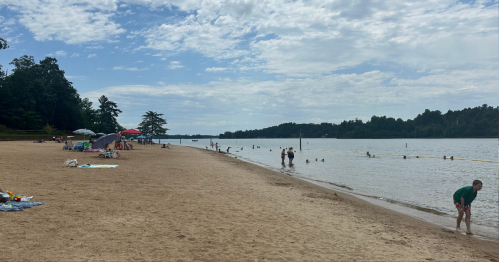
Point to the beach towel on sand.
(97, 166)
(11, 206)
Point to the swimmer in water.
(307, 161)
(322, 160)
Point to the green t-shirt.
(466, 193)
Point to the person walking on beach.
(283, 156)
(291, 155)
(462, 200)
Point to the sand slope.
(193, 204)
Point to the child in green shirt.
(462, 200)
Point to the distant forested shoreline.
(477, 122)
(197, 136)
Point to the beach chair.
(86, 146)
(105, 154)
(79, 146)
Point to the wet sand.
(193, 204)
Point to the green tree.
(88, 114)
(24, 62)
(35, 94)
(152, 124)
(3, 44)
(106, 116)
(49, 129)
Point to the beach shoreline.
(195, 204)
(432, 216)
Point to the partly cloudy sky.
(214, 66)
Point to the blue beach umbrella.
(103, 140)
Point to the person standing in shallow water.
(291, 155)
(462, 200)
(283, 156)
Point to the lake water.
(407, 186)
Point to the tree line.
(481, 121)
(38, 96)
(178, 136)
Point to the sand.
(194, 204)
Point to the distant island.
(478, 122)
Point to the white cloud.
(140, 61)
(14, 39)
(191, 34)
(467, 88)
(7, 30)
(8, 22)
(303, 39)
(129, 68)
(91, 55)
(76, 77)
(75, 55)
(49, 20)
(100, 68)
(215, 69)
(128, 12)
(58, 54)
(175, 65)
(161, 83)
(95, 47)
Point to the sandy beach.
(193, 204)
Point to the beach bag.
(5, 196)
(71, 163)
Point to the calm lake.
(421, 187)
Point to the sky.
(216, 65)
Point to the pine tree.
(152, 124)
